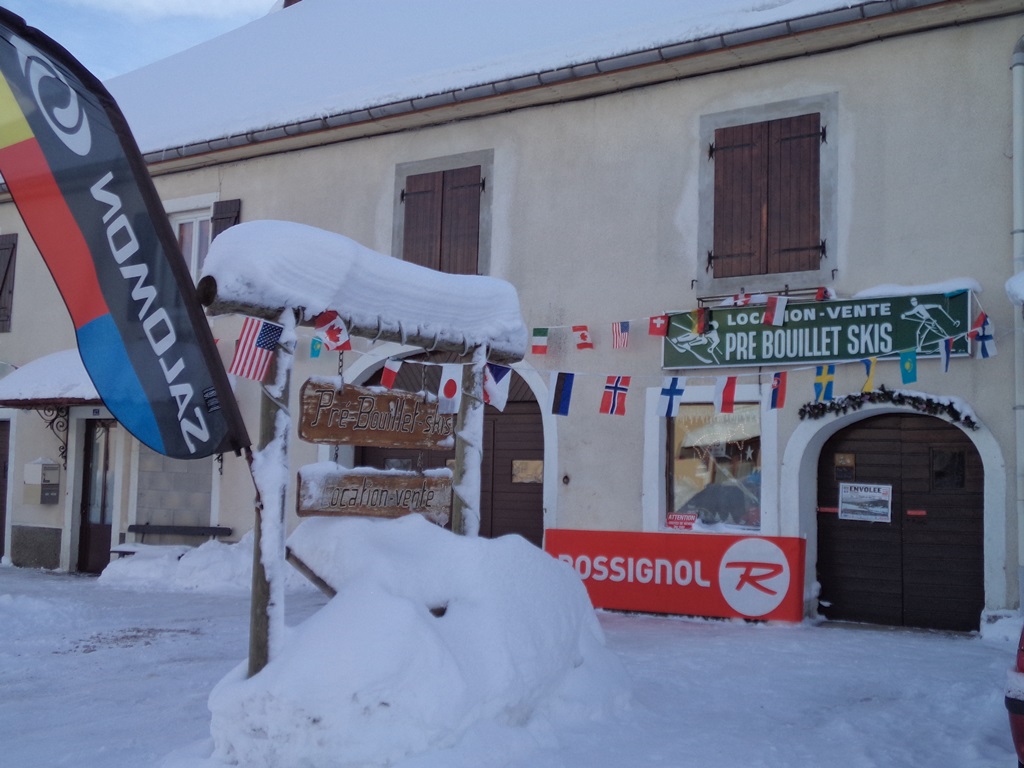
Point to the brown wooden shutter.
(225, 214)
(422, 198)
(741, 200)
(460, 222)
(8, 248)
(794, 232)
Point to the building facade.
(859, 159)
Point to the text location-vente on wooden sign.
(331, 490)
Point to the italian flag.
(540, 341)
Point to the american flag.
(620, 335)
(255, 348)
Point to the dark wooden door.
(512, 472)
(5, 451)
(97, 497)
(924, 567)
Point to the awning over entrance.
(50, 381)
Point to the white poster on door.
(862, 501)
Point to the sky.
(111, 37)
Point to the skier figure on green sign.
(926, 324)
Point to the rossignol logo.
(754, 577)
(57, 100)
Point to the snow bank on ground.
(212, 567)
(431, 638)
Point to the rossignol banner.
(748, 577)
(86, 197)
(819, 332)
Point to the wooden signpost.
(334, 413)
(331, 490)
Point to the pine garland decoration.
(854, 402)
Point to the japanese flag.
(449, 393)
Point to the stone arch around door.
(512, 477)
(799, 490)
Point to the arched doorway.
(512, 474)
(901, 524)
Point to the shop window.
(8, 247)
(442, 219)
(714, 473)
(768, 190)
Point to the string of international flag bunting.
(259, 339)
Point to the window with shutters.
(442, 218)
(8, 249)
(196, 221)
(767, 197)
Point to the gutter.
(1017, 72)
(832, 30)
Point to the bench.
(203, 531)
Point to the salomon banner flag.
(86, 197)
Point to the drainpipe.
(1017, 71)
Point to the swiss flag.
(658, 325)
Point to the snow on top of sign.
(58, 376)
(277, 264)
(947, 286)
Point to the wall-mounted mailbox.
(42, 482)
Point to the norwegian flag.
(613, 401)
(255, 348)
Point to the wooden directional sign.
(331, 490)
(352, 415)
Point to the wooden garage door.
(511, 482)
(925, 566)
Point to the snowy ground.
(97, 673)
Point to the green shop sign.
(820, 331)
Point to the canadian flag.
(776, 312)
(330, 328)
(583, 340)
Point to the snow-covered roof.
(55, 379)
(271, 265)
(323, 58)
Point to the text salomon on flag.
(86, 197)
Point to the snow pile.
(212, 567)
(1015, 289)
(953, 285)
(432, 639)
(59, 376)
(277, 264)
